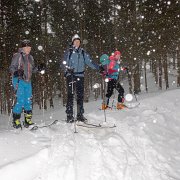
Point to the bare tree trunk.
(178, 67)
(174, 60)
(145, 77)
(154, 70)
(137, 82)
(165, 66)
(63, 89)
(130, 80)
(160, 73)
(86, 87)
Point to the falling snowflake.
(106, 80)
(142, 87)
(42, 72)
(154, 121)
(148, 53)
(40, 48)
(26, 32)
(128, 97)
(96, 86)
(148, 66)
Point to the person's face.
(27, 49)
(76, 43)
(117, 56)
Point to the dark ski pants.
(113, 84)
(75, 84)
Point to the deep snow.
(144, 145)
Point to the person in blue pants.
(21, 69)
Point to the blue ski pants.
(23, 92)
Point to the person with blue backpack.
(74, 62)
(112, 69)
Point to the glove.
(41, 67)
(19, 73)
(70, 71)
(124, 69)
(101, 69)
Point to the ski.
(134, 106)
(91, 125)
(43, 126)
(107, 126)
(125, 107)
(88, 125)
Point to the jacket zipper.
(78, 61)
(28, 67)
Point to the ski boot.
(27, 119)
(81, 118)
(16, 121)
(120, 106)
(70, 118)
(80, 111)
(105, 106)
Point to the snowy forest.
(146, 32)
(107, 134)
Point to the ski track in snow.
(144, 146)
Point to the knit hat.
(76, 36)
(25, 43)
(115, 54)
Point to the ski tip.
(34, 128)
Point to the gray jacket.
(24, 62)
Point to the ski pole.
(43, 105)
(10, 116)
(104, 87)
(135, 96)
(72, 91)
(113, 99)
(13, 102)
(72, 76)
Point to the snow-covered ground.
(145, 145)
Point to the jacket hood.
(20, 50)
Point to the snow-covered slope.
(145, 145)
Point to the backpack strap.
(70, 53)
(83, 54)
